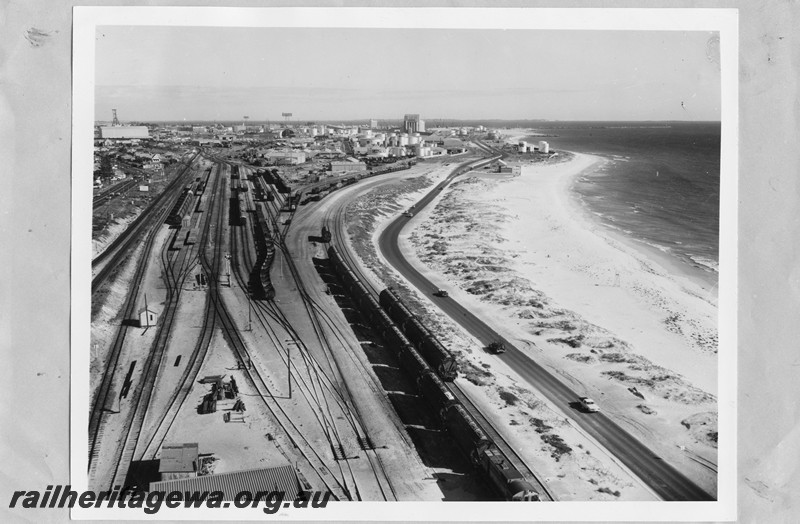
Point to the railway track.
(319, 387)
(103, 393)
(337, 215)
(142, 393)
(152, 443)
(111, 192)
(150, 218)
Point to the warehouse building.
(286, 157)
(118, 132)
(343, 167)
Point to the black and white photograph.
(406, 264)
(402, 263)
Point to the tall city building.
(373, 124)
(413, 124)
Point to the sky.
(153, 73)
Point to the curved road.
(662, 478)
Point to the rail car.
(438, 356)
(412, 362)
(486, 457)
(235, 216)
(504, 477)
(466, 432)
(181, 208)
(260, 280)
(325, 234)
(191, 237)
(436, 392)
(274, 178)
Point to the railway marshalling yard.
(238, 316)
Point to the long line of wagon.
(430, 364)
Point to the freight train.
(182, 206)
(188, 201)
(260, 281)
(482, 452)
(235, 215)
(274, 178)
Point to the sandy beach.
(613, 318)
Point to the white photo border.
(725, 21)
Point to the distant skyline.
(207, 73)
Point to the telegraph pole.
(289, 344)
(249, 313)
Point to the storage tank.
(544, 147)
(523, 146)
(413, 139)
(404, 139)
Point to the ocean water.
(660, 186)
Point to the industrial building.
(454, 146)
(118, 132)
(286, 157)
(343, 167)
(524, 147)
(413, 124)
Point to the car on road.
(496, 348)
(441, 293)
(588, 405)
(408, 214)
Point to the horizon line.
(427, 120)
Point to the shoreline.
(678, 265)
(537, 231)
(674, 265)
(608, 259)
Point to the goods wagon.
(428, 345)
(468, 435)
(504, 477)
(260, 281)
(411, 361)
(435, 392)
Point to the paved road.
(662, 478)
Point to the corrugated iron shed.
(281, 478)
